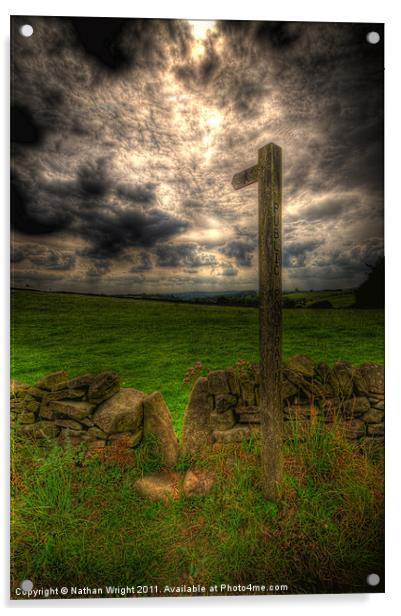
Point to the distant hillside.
(337, 298)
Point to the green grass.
(152, 344)
(78, 523)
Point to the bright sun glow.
(210, 230)
(210, 123)
(214, 230)
(200, 30)
(213, 234)
(214, 120)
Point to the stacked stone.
(94, 410)
(233, 399)
(224, 406)
(370, 380)
(87, 409)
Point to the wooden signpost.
(267, 173)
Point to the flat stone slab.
(168, 485)
(51, 381)
(68, 423)
(162, 486)
(198, 482)
(70, 409)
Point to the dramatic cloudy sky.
(126, 134)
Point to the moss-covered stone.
(104, 386)
(70, 408)
(218, 382)
(157, 422)
(51, 381)
(301, 364)
(121, 413)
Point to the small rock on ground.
(198, 482)
(162, 486)
(167, 485)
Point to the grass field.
(82, 524)
(79, 522)
(152, 344)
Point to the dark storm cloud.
(271, 34)
(126, 134)
(248, 42)
(92, 178)
(118, 45)
(242, 251)
(88, 209)
(330, 77)
(279, 34)
(91, 181)
(294, 255)
(43, 256)
(78, 57)
(139, 194)
(113, 46)
(101, 38)
(23, 128)
(183, 255)
(22, 217)
(354, 257)
(110, 231)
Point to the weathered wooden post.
(268, 175)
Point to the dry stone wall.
(94, 410)
(224, 405)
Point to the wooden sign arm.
(245, 178)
